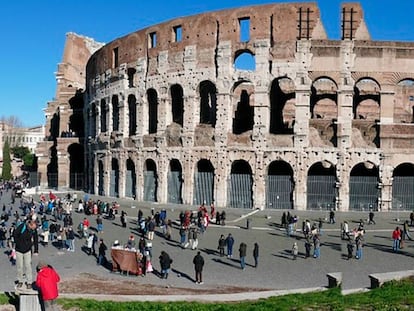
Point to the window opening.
(244, 24)
(178, 32)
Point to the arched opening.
(364, 187)
(282, 106)
(177, 104)
(114, 179)
(131, 73)
(244, 115)
(54, 126)
(279, 185)
(101, 178)
(103, 116)
(76, 122)
(150, 181)
(95, 114)
(130, 179)
(208, 103)
(404, 101)
(402, 187)
(115, 113)
(152, 99)
(241, 185)
(321, 186)
(132, 109)
(204, 183)
(175, 182)
(52, 168)
(245, 60)
(76, 166)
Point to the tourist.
(46, 281)
(221, 245)
(165, 263)
(358, 243)
(316, 246)
(242, 255)
(332, 216)
(396, 237)
(99, 224)
(371, 218)
(350, 248)
(295, 250)
(71, 239)
(256, 254)
(25, 238)
(101, 252)
(198, 262)
(123, 219)
(229, 243)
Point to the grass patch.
(392, 296)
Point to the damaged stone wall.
(308, 100)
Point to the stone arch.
(321, 186)
(150, 181)
(241, 185)
(115, 113)
(76, 166)
(52, 168)
(177, 104)
(243, 119)
(152, 99)
(204, 183)
(282, 106)
(130, 179)
(244, 60)
(208, 102)
(364, 187)
(366, 100)
(279, 185)
(402, 187)
(76, 121)
(114, 178)
(132, 112)
(175, 182)
(324, 99)
(54, 126)
(404, 101)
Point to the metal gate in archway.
(279, 192)
(114, 183)
(174, 187)
(150, 186)
(204, 188)
(76, 181)
(363, 193)
(321, 192)
(130, 182)
(240, 191)
(403, 193)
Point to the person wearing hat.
(47, 283)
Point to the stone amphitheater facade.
(253, 107)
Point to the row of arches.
(323, 105)
(322, 184)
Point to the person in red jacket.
(47, 282)
(396, 237)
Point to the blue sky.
(33, 36)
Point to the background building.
(174, 115)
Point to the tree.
(20, 151)
(6, 172)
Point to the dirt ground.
(91, 284)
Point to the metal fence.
(403, 193)
(279, 191)
(240, 191)
(363, 193)
(204, 188)
(150, 186)
(322, 192)
(174, 187)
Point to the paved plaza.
(276, 270)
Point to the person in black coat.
(165, 263)
(198, 262)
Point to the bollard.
(248, 223)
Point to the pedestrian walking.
(123, 219)
(350, 248)
(396, 237)
(358, 243)
(331, 216)
(165, 263)
(242, 255)
(406, 233)
(229, 243)
(256, 254)
(198, 262)
(295, 250)
(316, 246)
(221, 245)
(101, 253)
(371, 218)
(308, 247)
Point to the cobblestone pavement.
(276, 270)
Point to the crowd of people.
(50, 222)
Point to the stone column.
(300, 179)
(122, 169)
(221, 179)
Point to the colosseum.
(251, 107)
